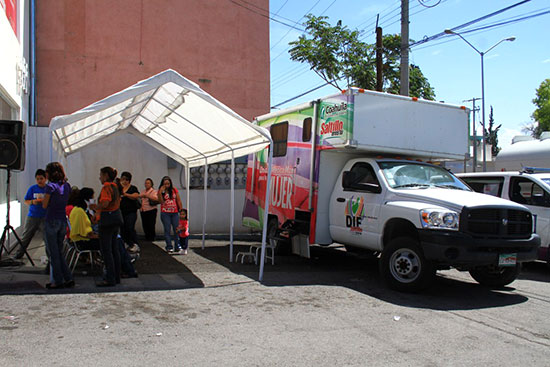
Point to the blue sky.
(513, 70)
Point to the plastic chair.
(75, 251)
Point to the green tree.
(335, 53)
(491, 134)
(542, 112)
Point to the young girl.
(183, 231)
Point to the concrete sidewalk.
(157, 271)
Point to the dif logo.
(355, 212)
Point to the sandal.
(53, 286)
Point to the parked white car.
(530, 188)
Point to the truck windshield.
(409, 175)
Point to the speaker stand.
(8, 228)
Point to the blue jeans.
(170, 221)
(184, 242)
(54, 233)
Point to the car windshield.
(546, 181)
(411, 175)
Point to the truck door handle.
(340, 200)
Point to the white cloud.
(546, 61)
(492, 56)
(436, 52)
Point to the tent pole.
(187, 181)
(205, 200)
(232, 213)
(266, 211)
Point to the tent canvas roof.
(175, 116)
(171, 113)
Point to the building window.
(279, 134)
(306, 129)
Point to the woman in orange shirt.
(110, 220)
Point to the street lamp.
(450, 31)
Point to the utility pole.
(379, 50)
(473, 100)
(404, 79)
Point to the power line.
(303, 94)
(282, 6)
(267, 10)
(474, 30)
(276, 43)
(421, 2)
(285, 76)
(266, 16)
(443, 34)
(487, 28)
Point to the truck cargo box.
(312, 141)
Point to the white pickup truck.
(530, 188)
(336, 179)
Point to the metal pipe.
(188, 194)
(266, 211)
(312, 153)
(205, 201)
(232, 213)
(32, 52)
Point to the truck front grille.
(496, 223)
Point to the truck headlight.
(438, 219)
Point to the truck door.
(527, 192)
(355, 207)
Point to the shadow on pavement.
(333, 266)
(157, 270)
(538, 271)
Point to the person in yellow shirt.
(81, 226)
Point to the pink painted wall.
(89, 49)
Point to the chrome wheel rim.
(405, 265)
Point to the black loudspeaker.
(12, 144)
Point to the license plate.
(507, 259)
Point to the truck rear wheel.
(494, 276)
(403, 266)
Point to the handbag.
(153, 202)
(110, 219)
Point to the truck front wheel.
(403, 266)
(494, 276)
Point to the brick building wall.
(89, 49)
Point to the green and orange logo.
(355, 212)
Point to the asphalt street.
(330, 310)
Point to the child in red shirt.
(183, 231)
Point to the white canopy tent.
(178, 118)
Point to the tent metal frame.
(65, 145)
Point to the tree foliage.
(491, 134)
(542, 112)
(335, 53)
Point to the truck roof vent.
(518, 138)
(545, 135)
